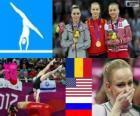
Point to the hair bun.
(75, 6)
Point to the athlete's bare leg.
(47, 75)
(42, 72)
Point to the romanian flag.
(79, 67)
(79, 87)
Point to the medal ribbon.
(77, 26)
(97, 30)
(115, 28)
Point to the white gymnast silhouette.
(27, 25)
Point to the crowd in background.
(27, 69)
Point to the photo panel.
(26, 29)
(115, 86)
(32, 87)
(81, 31)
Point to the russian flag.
(79, 109)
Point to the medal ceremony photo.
(96, 28)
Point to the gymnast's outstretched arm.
(42, 72)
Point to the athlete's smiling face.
(95, 10)
(113, 11)
(76, 14)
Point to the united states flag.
(78, 90)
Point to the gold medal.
(98, 44)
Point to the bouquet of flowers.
(60, 28)
(112, 35)
(112, 39)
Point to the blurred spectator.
(1, 70)
(24, 72)
(32, 73)
(136, 32)
(136, 99)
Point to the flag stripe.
(82, 82)
(69, 67)
(79, 112)
(84, 85)
(85, 92)
(79, 99)
(75, 106)
(78, 95)
(78, 89)
(84, 79)
(78, 68)
(87, 68)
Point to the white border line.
(26, 51)
(78, 99)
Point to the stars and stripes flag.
(77, 87)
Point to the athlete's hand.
(51, 63)
(73, 47)
(122, 102)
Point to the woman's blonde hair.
(113, 65)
